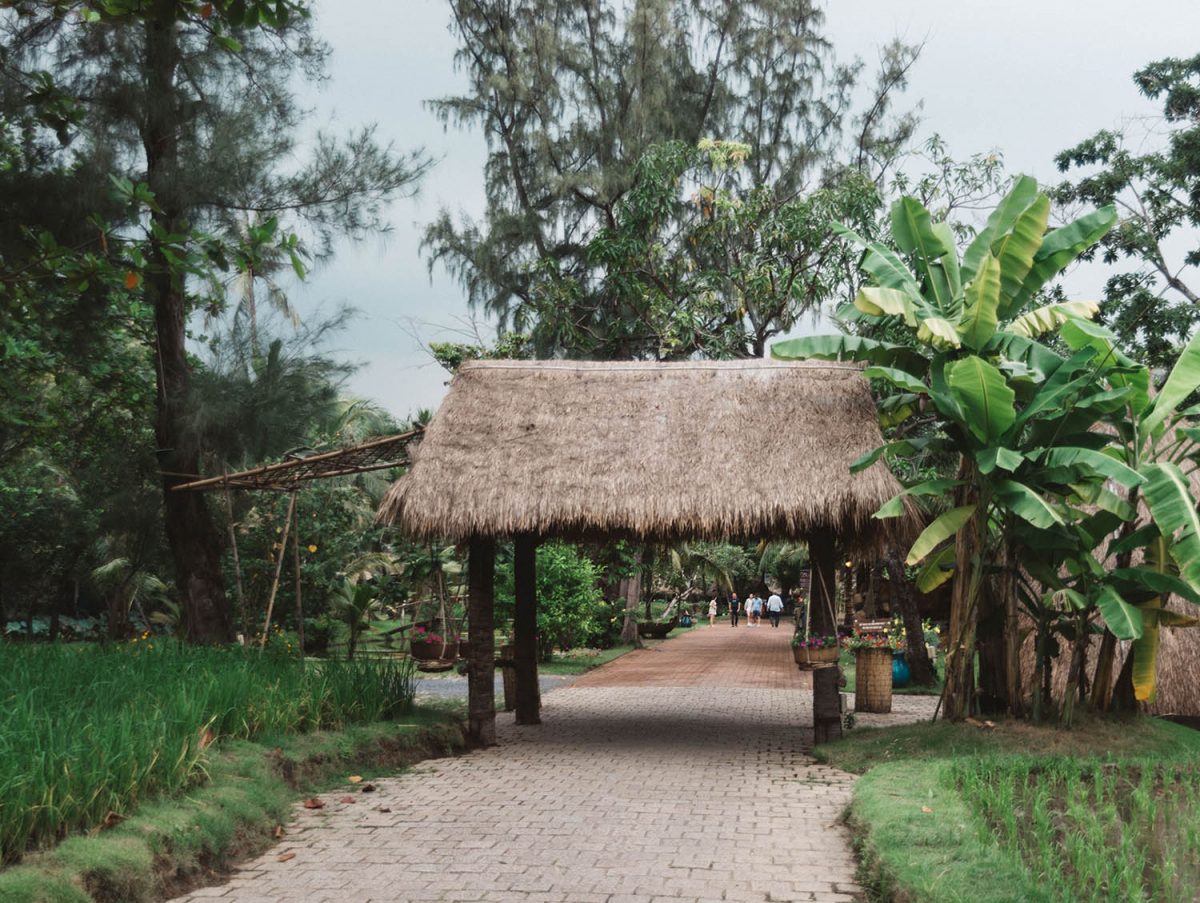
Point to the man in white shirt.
(774, 607)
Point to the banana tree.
(971, 358)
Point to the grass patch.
(951, 812)
(89, 732)
(174, 844)
(579, 661)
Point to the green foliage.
(571, 610)
(90, 730)
(586, 235)
(1153, 176)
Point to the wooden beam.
(481, 642)
(287, 526)
(525, 650)
(822, 554)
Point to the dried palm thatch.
(654, 451)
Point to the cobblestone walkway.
(694, 788)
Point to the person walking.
(756, 605)
(774, 607)
(735, 609)
(712, 612)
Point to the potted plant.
(425, 645)
(873, 671)
(815, 650)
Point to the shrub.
(571, 611)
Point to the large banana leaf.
(850, 348)
(1059, 386)
(877, 301)
(1029, 352)
(1157, 582)
(1145, 656)
(1173, 508)
(1123, 619)
(882, 263)
(998, 456)
(983, 396)
(950, 260)
(1101, 463)
(912, 228)
(945, 526)
(1183, 381)
(1120, 369)
(1016, 251)
(894, 507)
(901, 379)
(936, 571)
(1046, 319)
(1060, 247)
(1023, 193)
(1027, 504)
(939, 332)
(981, 305)
(899, 447)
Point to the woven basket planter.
(873, 680)
(424, 651)
(809, 657)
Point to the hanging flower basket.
(656, 630)
(826, 656)
(426, 646)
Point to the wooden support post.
(525, 650)
(296, 567)
(287, 526)
(481, 642)
(827, 704)
(243, 612)
(822, 553)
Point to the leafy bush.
(571, 611)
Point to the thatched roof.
(747, 449)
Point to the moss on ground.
(172, 845)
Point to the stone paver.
(694, 788)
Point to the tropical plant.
(973, 366)
(354, 604)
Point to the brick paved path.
(670, 775)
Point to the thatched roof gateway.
(657, 451)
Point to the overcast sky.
(1026, 78)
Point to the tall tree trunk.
(959, 692)
(993, 681)
(822, 553)
(630, 588)
(1012, 637)
(919, 665)
(194, 540)
(525, 649)
(481, 642)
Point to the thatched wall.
(681, 450)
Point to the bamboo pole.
(525, 628)
(237, 569)
(287, 524)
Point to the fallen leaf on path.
(285, 857)
(382, 809)
(367, 788)
(314, 803)
(355, 779)
(279, 832)
(349, 799)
